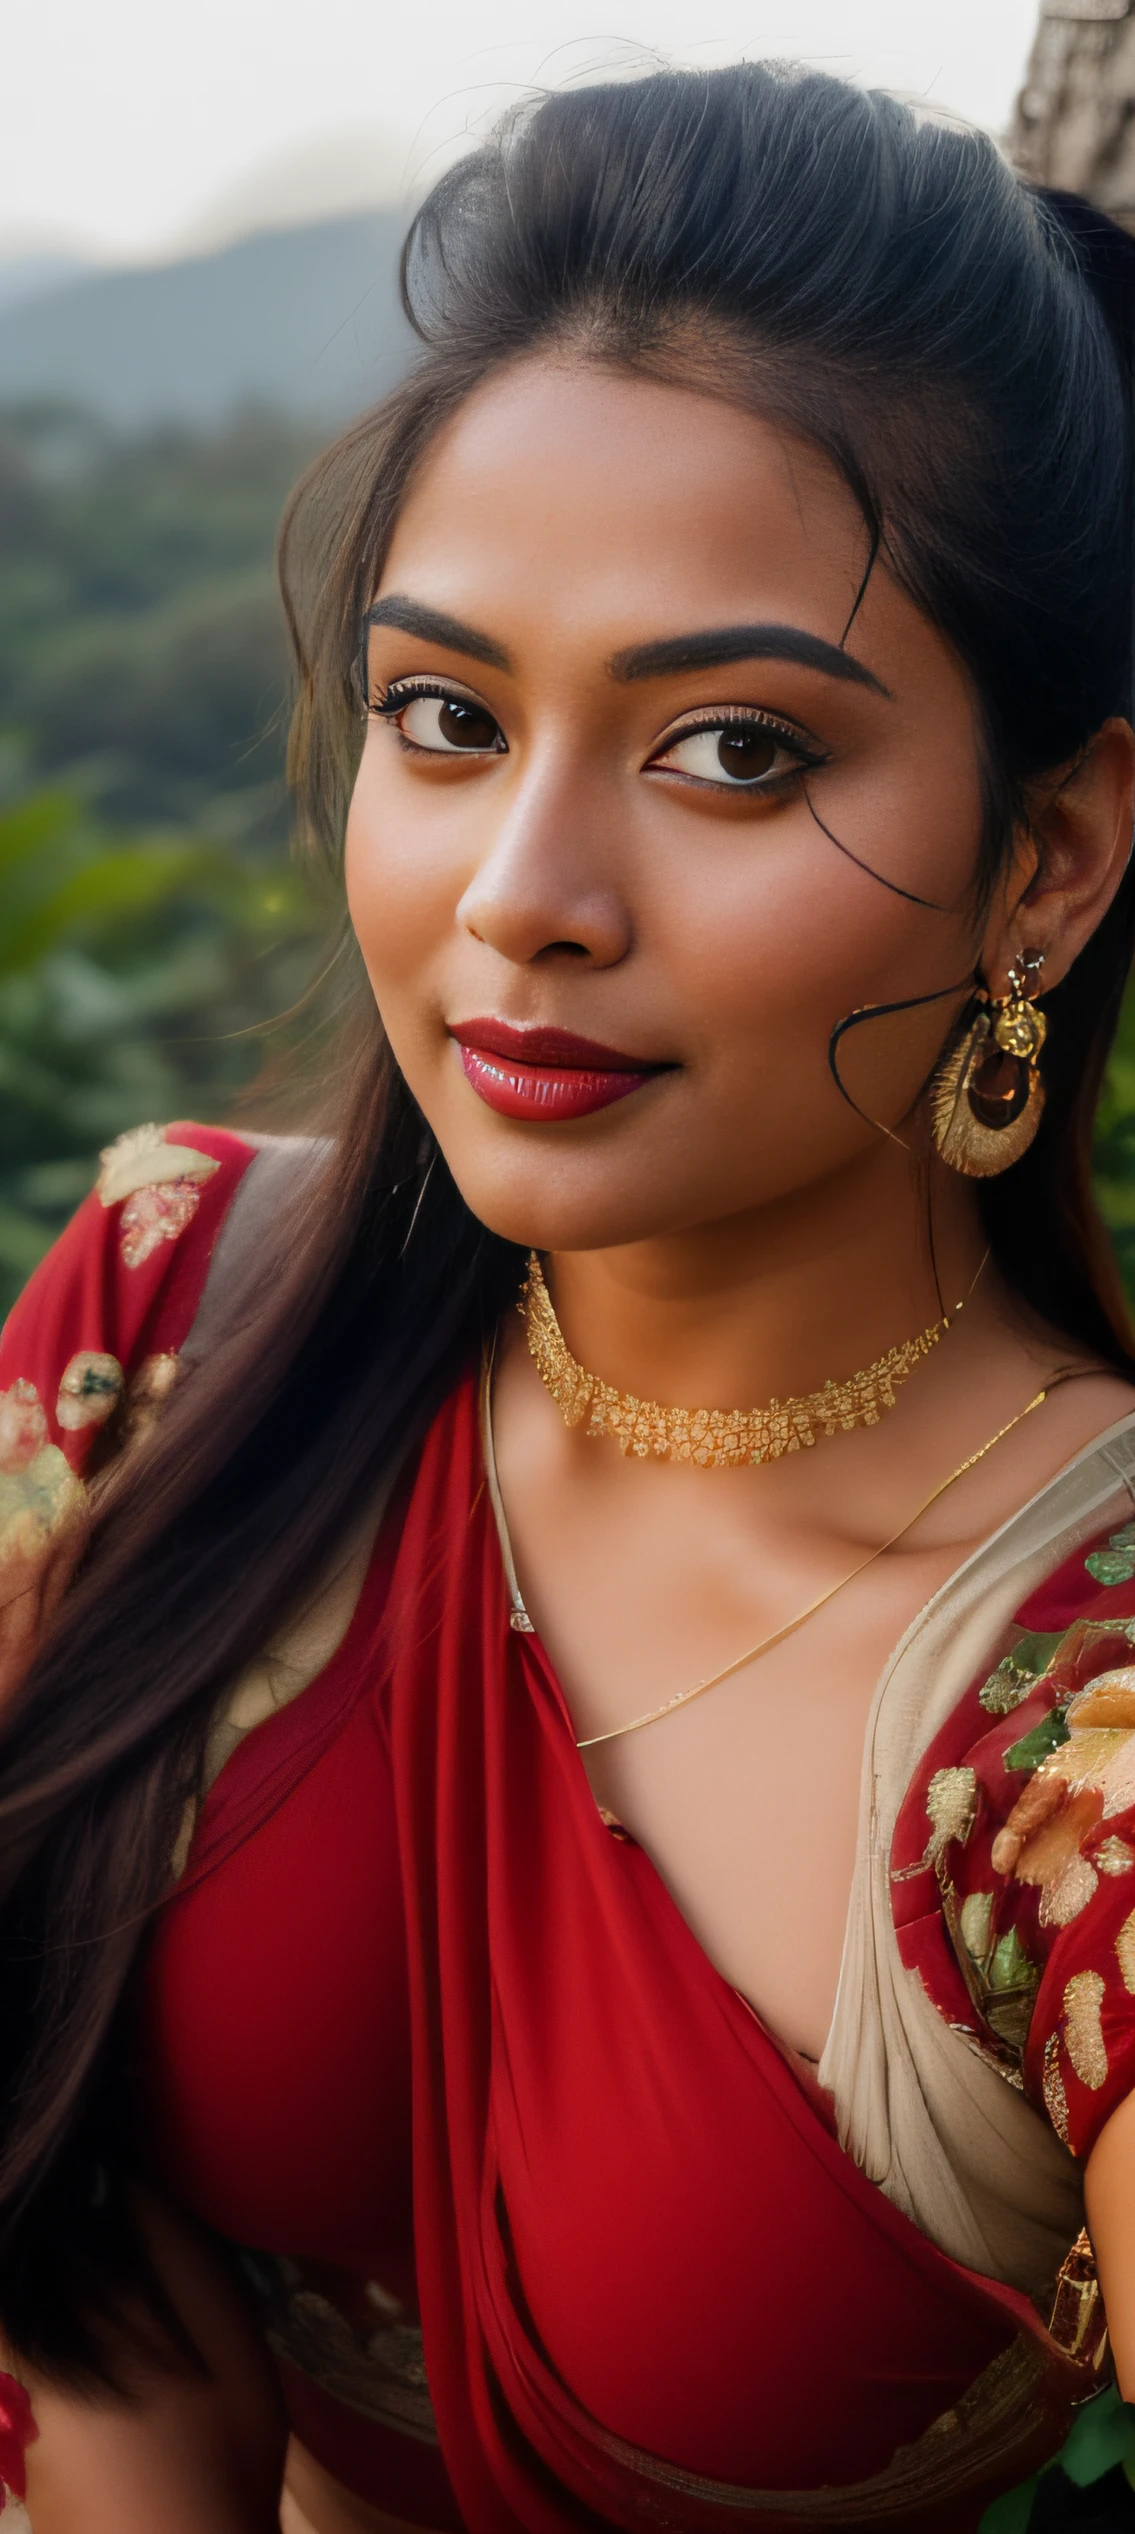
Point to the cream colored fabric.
(934, 2124)
(143, 1159)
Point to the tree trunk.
(1074, 125)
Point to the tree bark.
(1074, 125)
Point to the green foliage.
(151, 923)
(136, 980)
(1115, 1146)
(141, 642)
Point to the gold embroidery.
(1119, 1781)
(89, 1391)
(143, 1159)
(1125, 1951)
(1108, 1700)
(23, 1425)
(1077, 2322)
(1018, 1672)
(1055, 2099)
(116, 1177)
(156, 1377)
(612, 1823)
(325, 2324)
(1083, 1998)
(1005, 1689)
(40, 1496)
(1062, 1900)
(1041, 1838)
(158, 1186)
(157, 1214)
(1011, 1982)
(951, 1803)
(38, 1503)
(1087, 1777)
(1000, 1976)
(976, 1923)
(991, 2428)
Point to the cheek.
(778, 936)
(792, 930)
(400, 898)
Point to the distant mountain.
(25, 276)
(303, 319)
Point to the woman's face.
(613, 714)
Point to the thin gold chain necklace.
(714, 1438)
(685, 1697)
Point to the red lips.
(545, 1073)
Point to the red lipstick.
(545, 1073)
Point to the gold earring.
(986, 1094)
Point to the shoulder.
(120, 1289)
(1013, 1867)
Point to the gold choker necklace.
(715, 1438)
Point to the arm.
(113, 1300)
(177, 2452)
(1109, 2191)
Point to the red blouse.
(427, 2041)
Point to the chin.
(540, 1208)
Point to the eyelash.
(403, 691)
(744, 717)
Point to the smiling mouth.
(547, 1074)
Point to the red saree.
(424, 2038)
(670, 2276)
(652, 2288)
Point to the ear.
(1068, 860)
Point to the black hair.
(959, 345)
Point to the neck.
(775, 1301)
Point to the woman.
(567, 1940)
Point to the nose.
(547, 885)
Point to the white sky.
(124, 124)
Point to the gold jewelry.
(685, 1697)
(714, 1438)
(986, 1094)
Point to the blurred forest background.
(153, 925)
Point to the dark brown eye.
(733, 753)
(466, 726)
(448, 725)
(746, 752)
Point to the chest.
(275, 2034)
(571, 2061)
(746, 1798)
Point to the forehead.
(566, 489)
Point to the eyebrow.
(715, 648)
(408, 616)
(719, 645)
